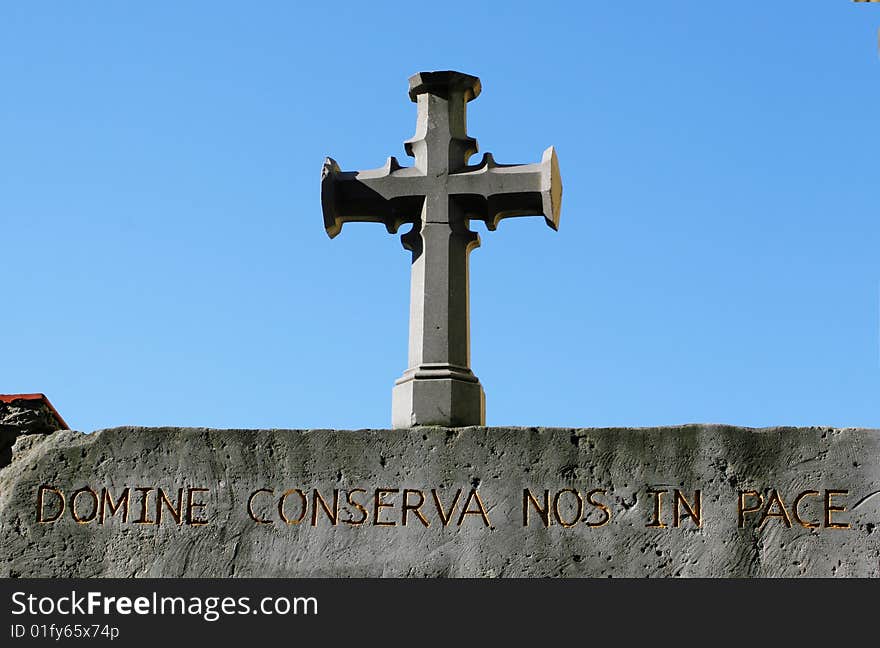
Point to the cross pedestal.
(439, 195)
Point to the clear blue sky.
(163, 254)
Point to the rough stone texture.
(498, 462)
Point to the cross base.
(451, 397)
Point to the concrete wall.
(814, 511)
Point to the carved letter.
(782, 514)
(414, 508)
(250, 505)
(444, 516)
(829, 510)
(481, 512)
(598, 505)
(358, 506)
(162, 498)
(191, 519)
(693, 513)
(796, 513)
(73, 512)
(658, 506)
(107, 503)
(543, 513)
(145, 499)
(379, 504)
(318, 500)
(40, 495)
(742, 509)
(303, 501)
(578, 513)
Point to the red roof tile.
(9, 398)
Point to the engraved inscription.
(762, 508)
(378, 507)
(664, 508)
(87, 505)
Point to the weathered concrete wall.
(610, 468)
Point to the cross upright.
(439, 196)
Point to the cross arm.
(491, 191)
(389, 195)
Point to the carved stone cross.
(439, 195)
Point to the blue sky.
(164, 259)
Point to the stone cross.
(439, 196)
